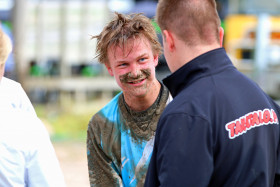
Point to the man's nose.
(135, 70)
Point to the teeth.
(135, 82)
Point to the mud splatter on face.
(128, 77)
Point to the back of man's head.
(196, 22)
(5, 50)
(121, 29)
(5, 46)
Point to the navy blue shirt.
(221, 129)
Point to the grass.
(70, 120)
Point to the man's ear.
(109, 69)
(156, 60)
(169, 40)
(221, 35)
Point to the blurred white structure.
(57, 33)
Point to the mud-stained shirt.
(120, 142)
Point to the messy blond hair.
(5, 47)
(121, 29)
(195, 22)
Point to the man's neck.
(184, 54)
(143, 103)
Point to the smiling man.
(121, 135)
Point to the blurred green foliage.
(156, 26)
(69, 122)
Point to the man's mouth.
(136, 81)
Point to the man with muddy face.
(120, 136)
(133, 67)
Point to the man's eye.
(122, 65)
(142, 59)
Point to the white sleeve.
(27, 156)
(42, 168)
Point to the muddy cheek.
(123, 78)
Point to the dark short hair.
(193, 21)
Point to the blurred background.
(53, 59)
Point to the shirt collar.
(208, 63)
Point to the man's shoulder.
(9, 86)
(111, 108)
(106, 122)
(6, 82)
(109, 114)
(24, 126)
(186, 103)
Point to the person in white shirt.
(27, 156)
(11, 93)
(13, 97)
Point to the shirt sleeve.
(42, 167)
(183, 153)
(102, 171)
